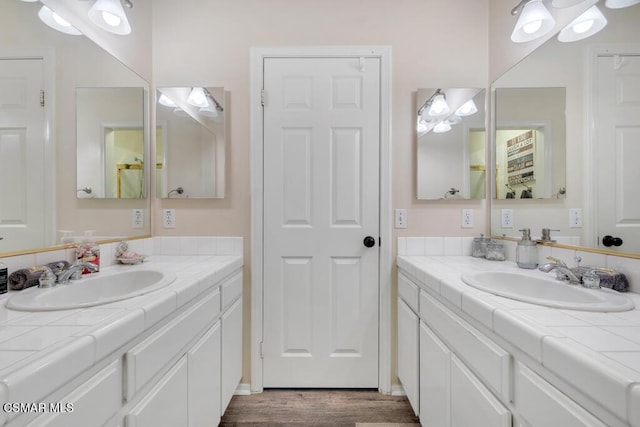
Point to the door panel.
(617, 150)
(321, 198)
(22, 142)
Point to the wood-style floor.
(290, 408)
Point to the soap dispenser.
(526, 251)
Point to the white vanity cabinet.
(465, 378)
(183, 372)
(439, 386)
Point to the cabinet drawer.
(489, 361)
(94, 402)
(541, 404)
(231, 289)
(146, 359)
(408, 291)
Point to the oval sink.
(98, 289)
(547, 292)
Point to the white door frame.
(258, 54)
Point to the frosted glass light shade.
(56, 22)
(209, 111)
(109, 15)
(619, 4)
(534, 22)
(442, 127)
(166, 101)
(585, 25)
(467, 109)
(197, 97)
(439, 106)
(565, 3)
(421, 127)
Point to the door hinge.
(42, 98)
(261, 349)
(263, 97)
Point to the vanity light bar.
(429, 102)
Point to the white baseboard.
(397, 390)
(243, 390)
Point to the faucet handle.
(590, 279)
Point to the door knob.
(609, 241)
(369, 241)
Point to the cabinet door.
(204, 380)
(541, 404)
(231, 352)
(166, 403)
(408, 353)
(471, 403)
(93, 403)
(435, 387)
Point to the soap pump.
(526, 251)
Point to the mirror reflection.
(451, 143)
(110, 142)
(39, 198)
(190, 142)
(530, 144)
(600, 75)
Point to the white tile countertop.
(40, 351)
(598, 353)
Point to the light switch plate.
(401, 218)
(575, 218)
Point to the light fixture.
(422, 125)
(534, 21)
(197, 97)
(619, 4)
(558, 4)
(467, 109)
(438, 106)
(109, 15)
(209, 111)
(585, 25)
(442, 127)
(56, 22)
(166, 101)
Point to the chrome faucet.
(71, 272)
(563, 272)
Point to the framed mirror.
(530, 148)
(190, 142)
(38, 183)
(600, 77)
(451, 145)
(110, 146)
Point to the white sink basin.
(547, 291)
(96, 289)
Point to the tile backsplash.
(461, 246)
(151, 246)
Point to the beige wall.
(436, 43)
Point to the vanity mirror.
(451, 133)
(600, 78)
(110, 146)
(190, 142)
(39, 199)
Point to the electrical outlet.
(575, 218)
(137, 218)
(506, 218)
(401, 218)
(169, 218)
(467, 218)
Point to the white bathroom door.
(22, 155)
(618, 150)
(321, 201)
